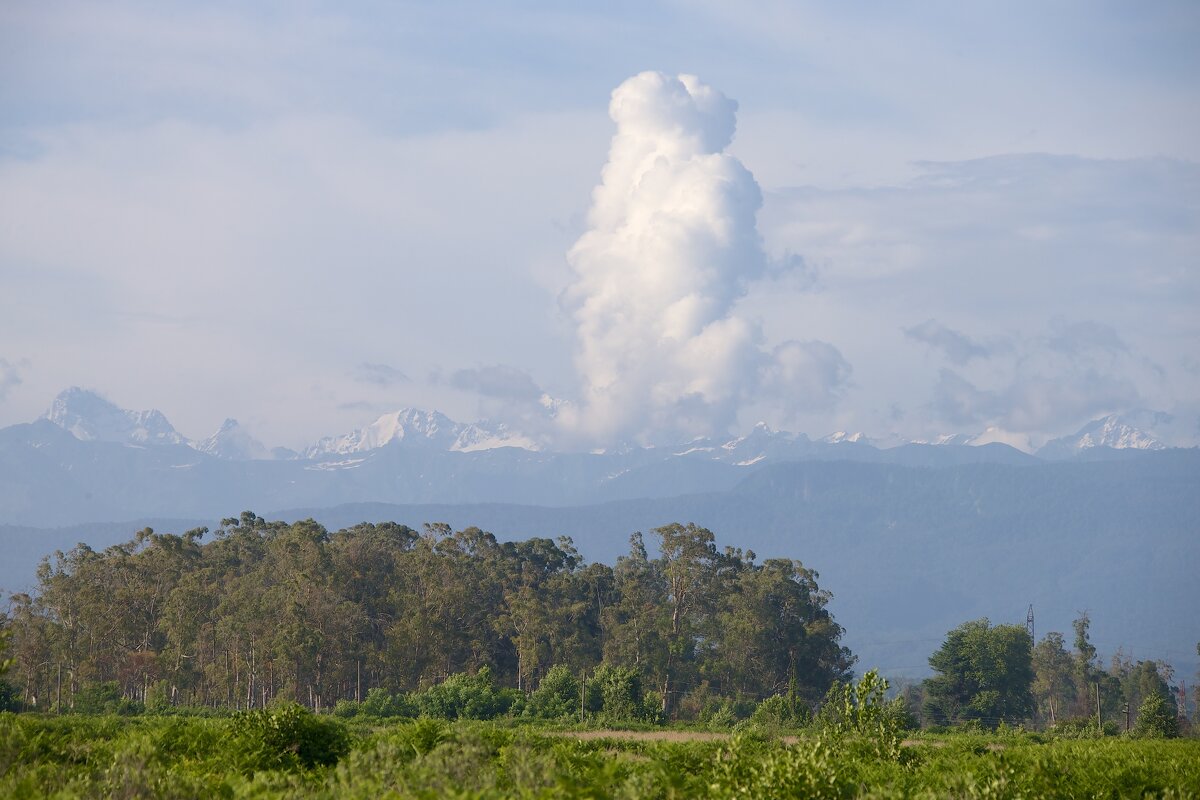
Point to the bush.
(103, 698)
(288, 737)
(1155, 719)
(782, 711)
(615, 695)
(1082, 728)
(861, 710)
(556, 697)
(466, 696)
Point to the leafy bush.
(1155, 719)
(782, 711)
(466, 696)
(1082, 728)
(103, 698)
(288, 737)
(556, 697)
(378, 704)
(614, 695)
(862, 710)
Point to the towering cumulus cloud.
(671, 246)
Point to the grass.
(306, 756)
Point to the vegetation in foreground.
(853, 747)
(281, 661)
(290, 752)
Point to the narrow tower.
(1029, 626)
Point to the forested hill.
(909, 553)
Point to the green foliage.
(262, 610)
(984, 674)
(862, 711)
(782, 711)
(614, 696)
(181, 757)
(288, 737)
(557, 696)
(103, 697)
(1155, 719)
(1082, 728)
(378, 704)
(466, 696)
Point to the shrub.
(861, 710)
(379, 703)
(615, 695)
(556, 697)
(466, 696)
(783, 711)
(287, 737)
(1155, 719)
(103, 698)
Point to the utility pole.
(1099, 726)
(1029, 626)
(1126, 709)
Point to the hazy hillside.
(50, 478)
(907, 551)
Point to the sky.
(601, 223)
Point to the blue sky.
(305, 214)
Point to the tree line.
(987, 674)
(263, 610)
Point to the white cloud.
(672, 246)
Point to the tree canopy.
(983, 673)
(264, 609)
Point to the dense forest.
(264, 610)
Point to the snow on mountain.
(990, 435)
(232, 441)
(842, 436)
(762, 442)
(951, 439)
(415, 428)
(1111, 431)
(488, 436)
(89, 417)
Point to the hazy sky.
(932, 217)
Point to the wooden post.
(1099, 726)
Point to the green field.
(289, 752)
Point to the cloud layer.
(672, 245)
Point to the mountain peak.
(414, 427)
(1110, 431)
(89, 417)
(232, 441)
(842, 436)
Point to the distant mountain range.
(911, 539)
(907, 551)
(87, 460)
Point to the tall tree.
(984, 673)
(1053, 684)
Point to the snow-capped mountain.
(91, 418)
(842, 436)
(1111, 431)
(950, 439)
(232, 441)
(415, 428)
(761, 443)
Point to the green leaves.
(984, 673)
